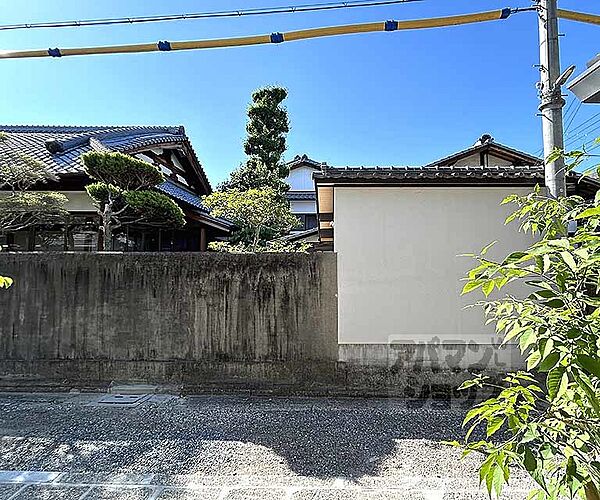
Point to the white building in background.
(398, 233)
(302, 195)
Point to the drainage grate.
(120, 400)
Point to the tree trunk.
(591, 492)
(256, 238)
(107, 237)
(107, 228)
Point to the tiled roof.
(184, 195)
(514, 155)
(60, 147)
(303, 160)
(301, 195)
(388, 174)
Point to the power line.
(570, 122)
(582, 134)
(583, 128)
(569, 107)
(207, 15)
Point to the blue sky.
(402, 98)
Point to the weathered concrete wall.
(168, 317)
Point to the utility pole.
(552, 102)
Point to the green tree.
(5, 282)
(260, 214)
(265, 143)
(122, 194)
(22, 207)
(545, 420)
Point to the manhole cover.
(122, 400)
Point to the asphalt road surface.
(68, 446)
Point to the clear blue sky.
(376, 99)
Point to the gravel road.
(67, 446)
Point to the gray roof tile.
(431, 173)
(60, 147)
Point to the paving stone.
(386, 482)
(291, 481)
(27, 476)
(257, 494)
(199, 480)
(465, 495)
(6, 490)
(105, 478)
(117, 493)
(358, 494)
(50, 492)
(194, 494)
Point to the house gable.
(488, 153)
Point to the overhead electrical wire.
(166, 46)
(289, 9)
(568, 108)
(583, 126)
(570, 121)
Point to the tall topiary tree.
(265, 143)
(122, 194)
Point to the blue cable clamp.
(54, 52)
(391, 25)
(277, 37)
(505, 13)
(164, 46)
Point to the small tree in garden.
(21, 207)
(260, 214)
(122, 194)
(265, 143)
(545, 420)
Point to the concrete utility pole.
(552, 102)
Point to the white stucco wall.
(398, 266)
(78, 201)
(303, 207)
(474, 160)
(300, 179)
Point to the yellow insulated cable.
(579, 16)
(263, 39)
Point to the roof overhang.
(587, 85)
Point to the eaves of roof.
(301, 195)
(193, 201)
(432, 175)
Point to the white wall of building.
(474, 160)
(300, 179)
(78, 201)
(303, 206)
(398, 266)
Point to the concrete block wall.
(168, 317)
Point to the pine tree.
(123, 194)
